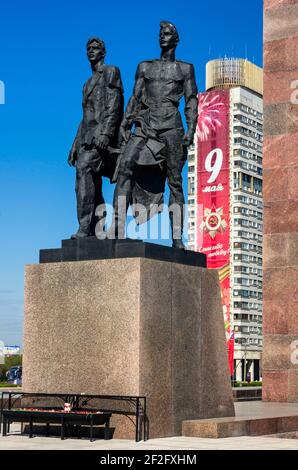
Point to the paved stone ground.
(10, 389)
(15, 441)
(260, 409)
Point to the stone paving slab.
(244, 410)
(16, 441)
(265, 410)
(252, 419)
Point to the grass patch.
(7, 385)
(247, 384)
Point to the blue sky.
(43, 66)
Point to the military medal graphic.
(213, 222)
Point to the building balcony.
(248, 349)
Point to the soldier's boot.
(179, 244)
(80, 234)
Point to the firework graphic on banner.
(211, 115)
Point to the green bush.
(248, 384)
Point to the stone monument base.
(129, 326)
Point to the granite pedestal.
(280, 163)
(129, 326)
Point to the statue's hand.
(72, 156)
(102, 142)
(188, 139)
(124, 132)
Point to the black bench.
(57, 417)
(129, 406)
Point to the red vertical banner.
(213, 197)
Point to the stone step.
(239, 426)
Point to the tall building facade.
(225, 207)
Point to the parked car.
(14, 375)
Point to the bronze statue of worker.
(92, 151)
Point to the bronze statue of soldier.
(97, 136)
(156, 144)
